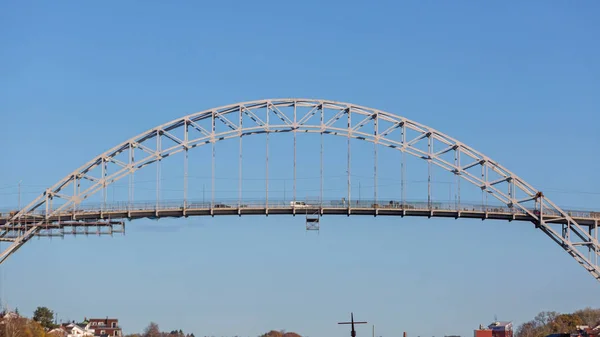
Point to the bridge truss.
(61, 209)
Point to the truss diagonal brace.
(19, 241)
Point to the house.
(76, 329)
(57, 332)
(105, 327)
(586, 331)
(9, 315)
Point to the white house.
(58, 332)
(9, 315)
(77, 330)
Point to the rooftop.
(499, 324)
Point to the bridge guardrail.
(299, 205)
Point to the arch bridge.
(78, 203)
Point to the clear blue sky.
(518, 81)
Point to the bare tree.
(528, 329)
(152, 330)
(589, 316)
(12, 327)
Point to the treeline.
(550, 322)
(12, 324)
(281, 333)
(152, 330)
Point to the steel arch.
(546, 215)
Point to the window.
(102, 332)
(114, 325)
(115, 334)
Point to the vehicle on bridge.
(298, 204)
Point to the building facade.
(105, 327)
(496, 329)
(94, 327)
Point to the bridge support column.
(596, 243)
(540, 200)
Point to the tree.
(34, 329)
(545, 317)
(272, 333)
(13, 327)
(565, 323)
(152, 330)
(281, 333)
(527, 329)
(549, 322)
(589, 316)
(44, 316)
(543, 320)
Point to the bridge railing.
(298, 205)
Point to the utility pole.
(20, 194)
(352, 332)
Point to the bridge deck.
(176, 210)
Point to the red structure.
(586, 331)
(496, 329)
(105, 327)
(483, 333)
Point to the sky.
(517, 81)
